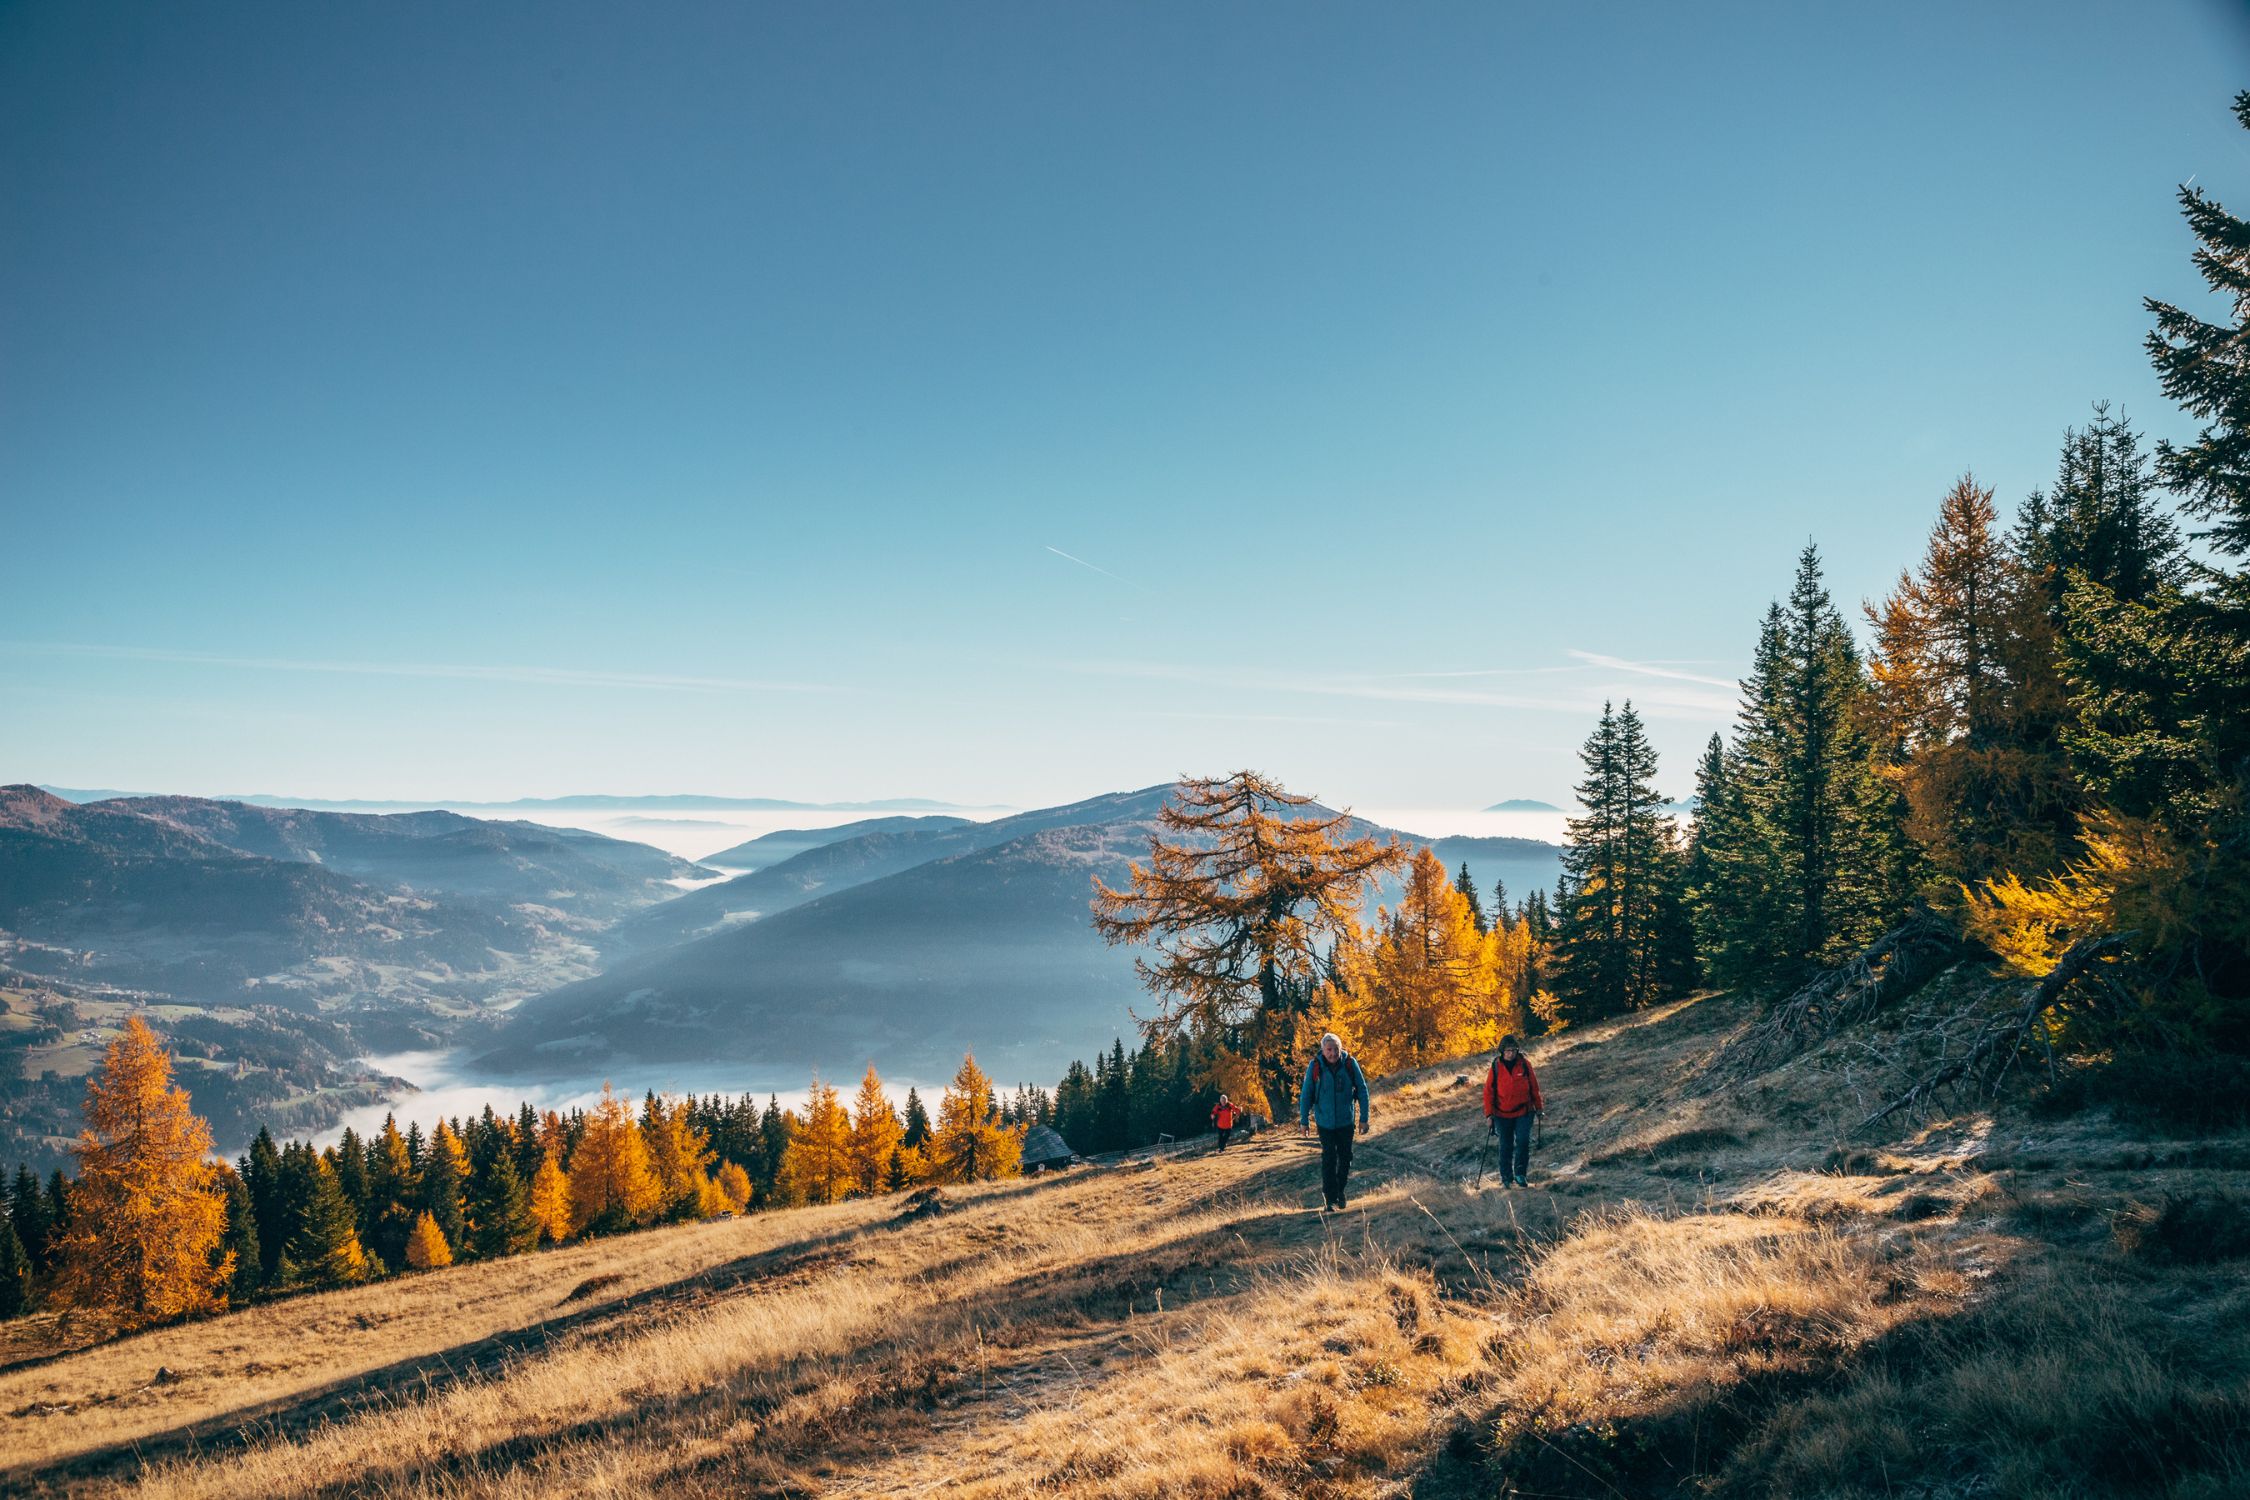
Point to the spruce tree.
(15, 1272)
(2102, 521)
(27, 1213)
(261, 1177)
(1468, 890)
(917, 1123)
(1621, 942)
(499, 1200)
(241, 1240)
(444, 1178)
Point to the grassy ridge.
(1710, 1290)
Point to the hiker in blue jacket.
(1332, 1081)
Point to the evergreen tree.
(15, 1272)
(241, 1239)
(1623, 941)
(1468, 889)
(524, 1139)
(146, 1215)
(2102, 521)
(1113, 1127)
(445, 1172)
(499, 1206)
(1148, 1103)
(917, 1123)
(393, 1196)
(350, 1162)
(774, 1130)
(1502, 914)
(1074, 1107)
(27, 1213)
(325, 1249)
(261, 1177)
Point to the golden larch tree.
(876, 1133)
(611, 1183)
(1243, 894)
(969, 1144)
(734, 1185)
(1421, 986)
(1966, 706)
(146, 1213)
(678, 1153)
(817, 1166)
(426, 1249)
(550, 1199)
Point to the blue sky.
(1010, 402)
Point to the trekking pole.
(1491, 1139)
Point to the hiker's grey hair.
(1331, 1037)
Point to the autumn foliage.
(145, 1212)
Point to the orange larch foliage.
(146, 1214)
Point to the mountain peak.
(1523, 804)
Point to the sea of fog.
(692, 833)
(1453, 822)
(445, 1086)
(696, 832)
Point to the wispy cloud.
(1577, 690)
(1651, 669)
(439, 671)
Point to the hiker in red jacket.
(1222, 1119)
(1511, 1102)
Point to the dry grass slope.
(1712, 1291)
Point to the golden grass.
(1693, 1301)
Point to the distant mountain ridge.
(232, 903)
(1523, 804)
(581, 802)
(787, 843)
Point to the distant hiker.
(1511, 1102)
(1222, 1119)
(1332, 1081)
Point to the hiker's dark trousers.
(1515, 1145)
(1223, 1134)
(1335, 1162)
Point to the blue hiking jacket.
(1328, 1093)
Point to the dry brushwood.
(1983, 1066)
(1895, 965)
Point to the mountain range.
(579, 802)
(226, 902)
(900, 946)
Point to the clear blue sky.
(1009, 402)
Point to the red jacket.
(1512, 1091)
(1223, 1116)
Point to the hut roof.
(1042, 1145)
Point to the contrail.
(1106, 573)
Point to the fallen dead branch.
(1894, 966)
(1984, 1065)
